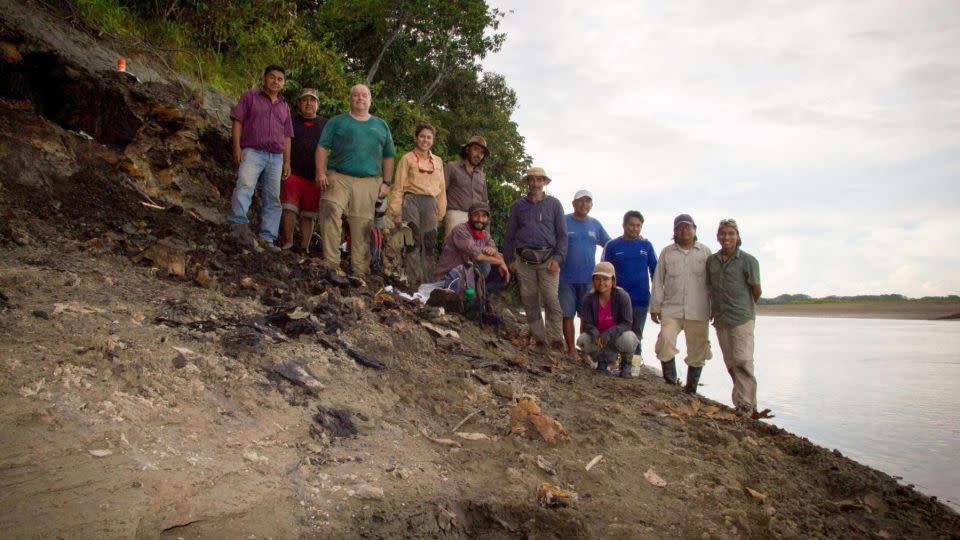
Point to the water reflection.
(880, 391)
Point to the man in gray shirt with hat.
(466, 184)
(535, 245)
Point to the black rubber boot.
(603, 359)
(669, 371)
(693, 379)
(626, 366)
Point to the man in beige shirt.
(681, 303)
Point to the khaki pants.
(736, 344)
(453, 218)
(357, 198)
(696, 337)
(626, 343)
(539, 287)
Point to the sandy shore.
(880, 310)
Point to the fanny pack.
(535, 255)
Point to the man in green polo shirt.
(733, 277)
(354, 166)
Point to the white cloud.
(829, 129)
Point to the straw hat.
(536, 171)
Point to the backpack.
(463, 278)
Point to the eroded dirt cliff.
(159, 381)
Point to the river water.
(881, 391)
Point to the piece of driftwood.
(465, 420)
(441, 441)
(594, 461)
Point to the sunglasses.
(421, 169)
(729, 222)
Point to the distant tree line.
(861, 298)
(421, 59)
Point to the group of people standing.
(554, 256)
(336, 170)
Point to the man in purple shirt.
(535, 246)
(471, 241)
(262, 128)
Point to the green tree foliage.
(421, 59)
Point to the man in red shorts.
(300, 194)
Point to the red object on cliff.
(121, 64)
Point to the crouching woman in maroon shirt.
(606, 322)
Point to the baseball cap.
(604, 269)
(683, 218)
(478, 207)
(309, 92)
(583, 193)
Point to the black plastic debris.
(334, 423)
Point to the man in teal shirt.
(733, 278)
(354, 166)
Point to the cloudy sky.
(829, 130)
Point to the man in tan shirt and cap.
(681, 302)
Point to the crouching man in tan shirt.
(681, 303)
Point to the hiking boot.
(745, 412)
(268, 245)
(242, 234)
(693, 380)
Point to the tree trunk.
(432, 89)
(386, 45)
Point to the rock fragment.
(369, 493)
(551, 496)
(299, 374)
(526, 414)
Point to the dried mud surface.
(222, 447)
(140, 393)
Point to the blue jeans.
(639, 319)
(492, 278)
(265, 168)
(571, 297)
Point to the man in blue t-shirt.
(635, 261)
(584, 234)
